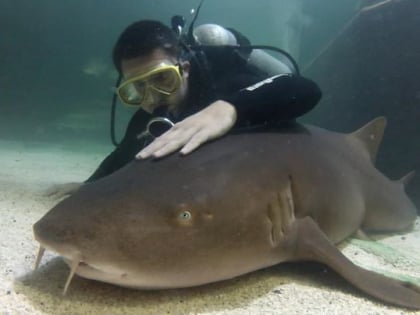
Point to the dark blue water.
(55, 55)
(56, 75)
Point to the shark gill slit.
(275, 216)
(290, 200)
(271, 221)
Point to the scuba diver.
(190, 89)
(201, 94)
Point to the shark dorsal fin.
(370, 135)
(407, 178)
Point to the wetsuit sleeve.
(279, 98)
(114, 161)
(126, 150)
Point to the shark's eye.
(185, 215)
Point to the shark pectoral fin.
(310, 243)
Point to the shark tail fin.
(370, 135)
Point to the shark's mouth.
(74, 262)
(78, 265)
(71, 255)
(104, 273)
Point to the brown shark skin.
(238, 204)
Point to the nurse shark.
(238, 204)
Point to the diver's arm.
(107, 166)
(126, 150)
(212, 122)
(280, 98)
(123, 154)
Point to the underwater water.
(57, 76)
(57, 82)
(57, 72)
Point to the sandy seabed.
(29, 169)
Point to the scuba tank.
(209, 38)
(216, 35)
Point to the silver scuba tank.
(215, 35)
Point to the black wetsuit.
(280, 99)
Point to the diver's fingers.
(170, 147)
(167, 143)
(207, 133)
(180, 132)
(156, 144)
(197, 140)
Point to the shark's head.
(151, 232)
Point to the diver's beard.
(167, 110)
(161, 110)
(180, 105)
(176, 111)
(172, 106)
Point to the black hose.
(190, 36)
(113, 106)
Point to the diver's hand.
(212, 122)
(60, 190)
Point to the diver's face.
(153, 96)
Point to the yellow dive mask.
(164, 79)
